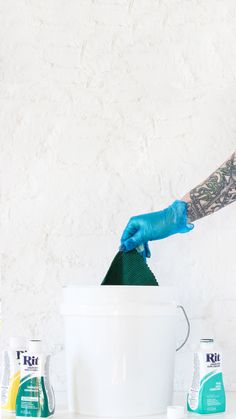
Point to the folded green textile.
(129, 268)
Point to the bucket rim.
(93, 286)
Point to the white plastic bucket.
(120, 349)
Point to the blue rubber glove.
(155, 226)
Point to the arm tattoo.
(215, 192)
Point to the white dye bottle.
(207, 393)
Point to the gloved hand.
(155, 226)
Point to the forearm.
(214, 193)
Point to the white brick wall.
(110, 108)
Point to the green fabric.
(129, 268)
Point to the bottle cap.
(175, 412)
(209, 340)
(35, 345)
(18, 343)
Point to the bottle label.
(35, 395)
(207, 393)
(10, 380)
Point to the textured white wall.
(111, 108)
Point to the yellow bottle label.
(12, 391)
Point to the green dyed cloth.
(129, 268)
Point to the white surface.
(120, 341)
(110, 109)
(175, 412)
(180, 398)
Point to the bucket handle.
(188, 328)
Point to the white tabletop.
(179, 398)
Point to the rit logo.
(213, 357)
(30, 360)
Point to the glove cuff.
(179, 211)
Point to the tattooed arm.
(214, 193)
